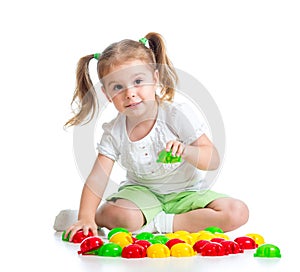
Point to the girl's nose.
(130, 93)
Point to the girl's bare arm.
(91, 196)
(201, 153)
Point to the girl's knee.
(235, 213)
(238, 214)
(118, 214)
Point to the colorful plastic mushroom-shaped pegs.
(90, 245)
(173, 242)
(167, 157)
(214, 229)
(231, 247)
(159, 239)
(78, 236)
(213, 249)
(116, 230)
(144, 236)
(144, 243)
(246, 242)
(199, 245)
(158, 251)
(122, 238)
(182, 250)
(134, 251)
(267, 251)
(110, 250)
(217, 240)
(259, 239)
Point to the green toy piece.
(167, 157)
(110, 250)
(116, 230)
(267, 251)
(63, 236)
(93, 252)
(214, 229)
(144, 236)
(159, 239)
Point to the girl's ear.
(156, 77)
(103, 90)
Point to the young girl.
(155, 197)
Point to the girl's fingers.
(180, 150)
(81, 226)
(73, 232)
(169, 146)
(176, 147)
(68, 231)
(95, 231)
(85, 230)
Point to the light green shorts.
(151, 203)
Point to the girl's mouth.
(132, 105)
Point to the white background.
(246, 54)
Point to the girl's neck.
(139, 127)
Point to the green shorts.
(151, 203)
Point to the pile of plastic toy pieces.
(211, 241)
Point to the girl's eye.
(138, 81)
(117, 87)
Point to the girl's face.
(131, 87)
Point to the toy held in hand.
(167, 157)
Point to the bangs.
(122, 52)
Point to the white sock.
(65, 219)
(163, 222)
(147, 228)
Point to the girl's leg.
(132, 207)
(226, 213)
(120, 213)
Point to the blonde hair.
(114, 55)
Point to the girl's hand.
(84, 225)
(176, 147)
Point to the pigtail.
(84, 96)
(167, 72)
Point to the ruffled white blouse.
(174, 122)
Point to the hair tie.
(97, 56)
(145, 42)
